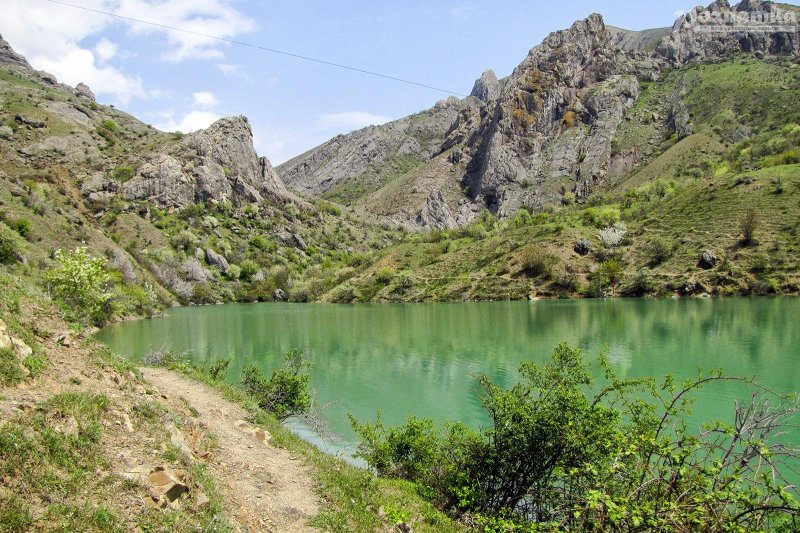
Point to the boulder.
(708, 259)
(582, 247)
(298, 240)
(217, 260)
(35, 124)
(280, 295)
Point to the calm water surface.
(421, 358)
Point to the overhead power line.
(259, 47)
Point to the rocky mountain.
(546, 131)
(217, 164)
(193, 218)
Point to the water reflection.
(404, 359)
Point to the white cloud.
(351, 120)
(207, 17)
(204, 99)
(51, 37)
(232, 71)
(192, 121)
(105, 49)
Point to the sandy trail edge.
(264, 488)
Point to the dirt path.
(265, 488)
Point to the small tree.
(286, 393)
(611, 271)
(80, 281)
(614, 235)
(747, 226)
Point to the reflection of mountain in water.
(420, 358)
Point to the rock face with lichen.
(547, 129)
(217, 164)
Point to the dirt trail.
(265, 488)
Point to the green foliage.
(249, 269)
(123, 173)
(748, 225)
(219, 368)
(10, 372)
(657, 251)
(21, 226)
(384, 275)
(536, 262)
(11, 246)
(286, 393)
(561, 454)
(80, 282)
(109, 125)
(601, 216)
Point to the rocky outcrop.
(487, 87)
(84, 91)
(718, 31)
(555, 118)
(364, 153)
(549, 127)
(435, 214)
(216, 164)
(10, 59)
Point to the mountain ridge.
(508, 145)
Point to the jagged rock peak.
(215, 164)
(486, 88)
(718, 31)
(9, 56)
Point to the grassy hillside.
(54, 145)
(681, 197)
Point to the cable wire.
(258, 47)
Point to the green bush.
(249, 269)
(602, 216)
(81, 282)
(557, 455)
(536, 262)
(657, 251)
(11, 246)
(287, 392)
(109, 125)
(21, 226)
(219, 368)
(123, 173)
(384, 275)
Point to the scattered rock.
(582, 247)
(202, 501)
(280, 295)
(298, 240)
(708, 259)
(35, 124)
(138, 474)
(6, 132)
(65, 340)
(258, 433)
(217, 260)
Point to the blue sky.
(179, 81)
